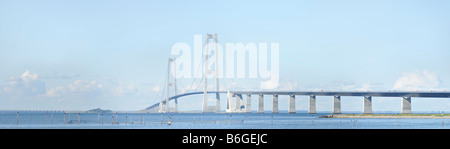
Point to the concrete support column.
(167, 105)
(367, 105)
(261, 103)
(218, 103)
(205, 103)
(161, 107)
(176, 105)
(291, 104)
(236, 106)
(239, 102)
(275, 104)
(337, 105)
(230, 106)
(242, 104)
(248, 107)
(406, 105)
(312, 104)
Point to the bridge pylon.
(206, 71)
(171, 82)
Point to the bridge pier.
(248, 107)
(205, 103)
(176, 106)
(239, 103)
(337, 105)
(261, 103)
(367, 105)
(217, 102)
(230, 107)
(275, 104)
(406, 105)
(167, 105)
(312, 104)
(291, 104)
(161, 107)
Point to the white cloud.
(157, 88)
(342, 85)
(77, 88)
(346, 85)
(122, 90)
(417, 80)
(272, 83)
(84, 86)
(29, 90)
(269, 84)
(365, 87)
(288, 85)
(27, 84)
(54, 92)
(28, 77)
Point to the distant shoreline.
(393, 116)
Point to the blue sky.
(74, 55)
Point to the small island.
(98, 110)
(394, 116)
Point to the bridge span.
(156, 105)
(235, 102)
(367, 98)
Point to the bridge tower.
(171, 82)
(206, 71)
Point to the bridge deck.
(331, 93)
(327, 93)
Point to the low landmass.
(419, 116)
(98, 110)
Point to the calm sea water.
(58, 120)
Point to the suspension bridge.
(235, 101)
